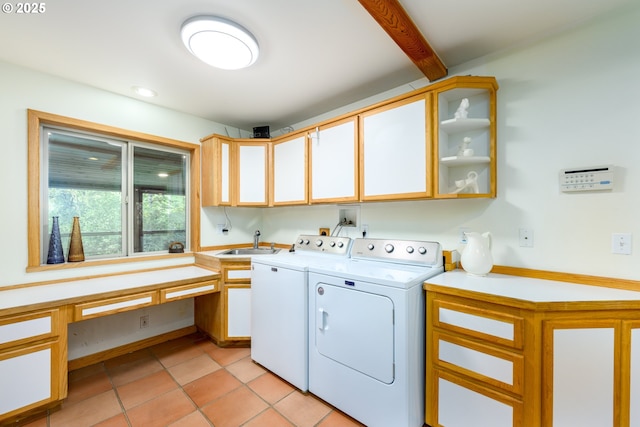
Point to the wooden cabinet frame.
(214, 176)
(532, 350)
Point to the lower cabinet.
(474, 361)
(238, 312)
(33, 345)
(226, 315)
(592, 369)
(33, 364)
(519, 365)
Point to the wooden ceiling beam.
(392, 17)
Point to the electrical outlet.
(365, 230)
(526, 237)
(144, 321)
(324, 231)
(621, 243)
(220, 228)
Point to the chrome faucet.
(256, 239)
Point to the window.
(131, 191)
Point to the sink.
(250, 251)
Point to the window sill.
(106, 261)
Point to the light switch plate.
(621, 243)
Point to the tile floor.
(187, 382)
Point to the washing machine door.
(355, 329)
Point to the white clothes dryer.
(366, 330)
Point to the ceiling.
(316, 55)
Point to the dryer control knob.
(410, 249)
(389, 248)
(370, 246)
(332, 243)
(319, 242)
(306, 241)
(340, 244)
(300, 241)
(422, 250)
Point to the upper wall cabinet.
(216, 171)
(333, 163)
(235, 171)
(465, 137)
(395, 160)
(290, 173)
(435, 142)
(251, 170)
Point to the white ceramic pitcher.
(476, 258)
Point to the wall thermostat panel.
(586, 179)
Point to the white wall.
(568, 101)
(22, 89)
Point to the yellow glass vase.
(76, 251)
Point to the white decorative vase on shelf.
(476, 258)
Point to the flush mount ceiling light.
(219, 42)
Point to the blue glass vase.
(56, 255)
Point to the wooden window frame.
(35, 121)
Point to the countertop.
(80, 289)
(532, 292)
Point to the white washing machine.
(279, 305)
(366, 330)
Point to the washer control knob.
(389, 248)
(319, 242)
(332, 243)
(306, 241)
(340, 244)
(300, 241)
(422, 250)
(409, 249)
(370, 246)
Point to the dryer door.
(355, 328)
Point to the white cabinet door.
(583, 376)
(290, 171)
(396, 151)
(333, 149)
(252, 174)
(238, 312)
(26, 378)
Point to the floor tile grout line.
(153, 352)
(181, 387)
(115, 390)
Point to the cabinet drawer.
(240, 274)
(499, 368)
(461, 404)
(108, 306)
(29, 327)
(489, 325)
(187, 291)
